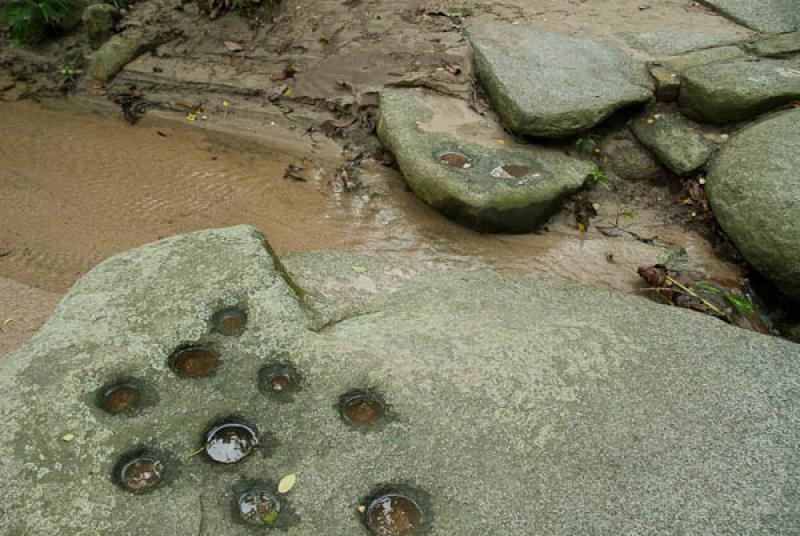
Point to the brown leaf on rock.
(452, 68)
(332, 126)
(233, 46)
(348, 84)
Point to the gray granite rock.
(660, 43)
(552, 85)
(99, 20)
(120, 50)
(668, 82)
(739, 90)
(697, 58)
(633, 162)
(677, 143)
(754, 189)
(769, 16)
(512, 403)
(451, 158)
(777, 45)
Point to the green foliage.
(742, 303)
(28, 21)
(589, 146)
(599, 176)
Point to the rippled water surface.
(78, 186)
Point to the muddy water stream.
(78, 186)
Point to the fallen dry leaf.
(287, 483)
(452, 68)
(233, 46)
(347, 84)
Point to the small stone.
(668, 83)
(677, 143)
(632, 162)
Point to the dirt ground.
(77, 184)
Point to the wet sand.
(78, 186)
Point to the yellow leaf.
(287, 483)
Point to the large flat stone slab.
(754, 189)
(769, 16)
(462, 164)
(552, 85)
(515, 405)
(739, 90)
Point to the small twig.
(690, 292)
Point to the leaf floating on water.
(287, 483)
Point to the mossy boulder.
(661, 43)
(754, 190)
(118, 51)
(739, 90)
(463, 165)
(551, 85)
(511, 402)
(678, 144)
(99, 20)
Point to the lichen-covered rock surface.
(769, 16)
(722, 93)
(677, 143)
(754, 189)
(515, 407)
(118, 51)
(462, 164)
(553, 85)
(660, 43)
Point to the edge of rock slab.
(767, 16)
(532, 108)
(664, 43)
(677, 143)
(473, 196)
(764, 240)
(729, 92)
